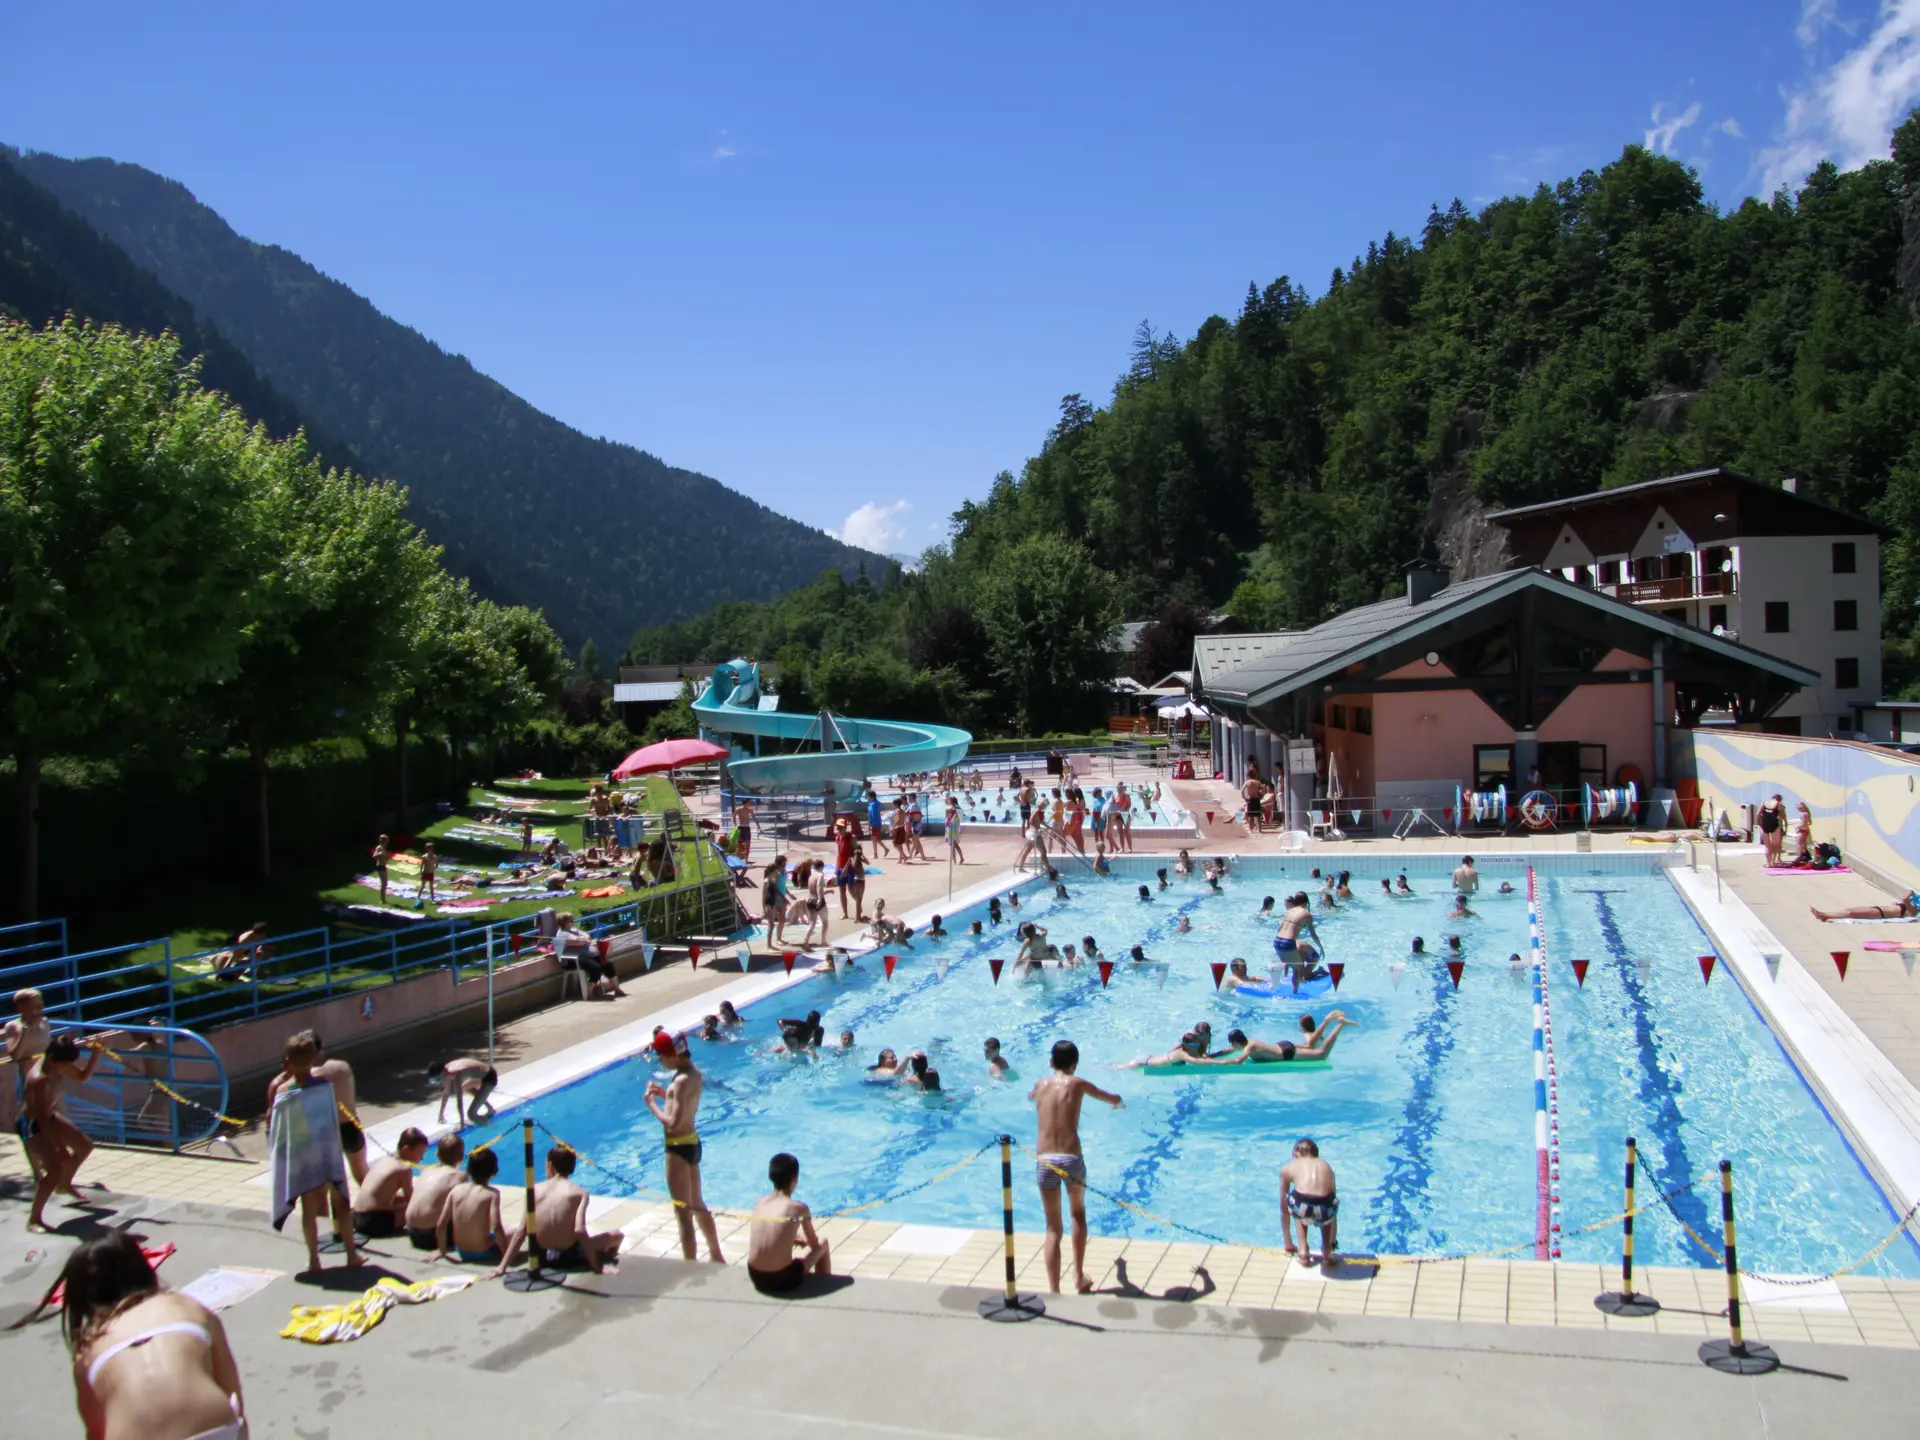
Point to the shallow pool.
(1426, 1113)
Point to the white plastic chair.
(1294, 841)
(1319, 824)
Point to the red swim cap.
(667, 1043)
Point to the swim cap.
(666, 1043)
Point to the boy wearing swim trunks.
(675, 1106)
(777, 1219)
(1307, 1198)
(1058, 1100)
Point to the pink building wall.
(1619, 717)
(1438, 747)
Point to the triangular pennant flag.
(786, 958)
(1773, 965)
(1106, 973)
(693, 956)
(1454, 967)
(1336, 969)
(1356, 816)
(1580, 973)
(1209, 817)
(516, 939)
(1706, 969)
(1219, 968)
(1906, 959)
(1396, 972)
(994, 966)
(1840, 960)
(746, 954)
(1385, 815)
(889, 961)
(1447, 813)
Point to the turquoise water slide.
(850, 752)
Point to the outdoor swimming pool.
(1426, 1113)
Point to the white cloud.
(876, 527)
(1666, 128)
(1730, 127)
(724, 152)
(1846, 112)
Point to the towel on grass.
(465, 906)
(329, 1324)
(303, 1137)
(603, 892)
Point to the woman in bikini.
(1906, 909)
(146, 1362)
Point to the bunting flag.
(994, 966)
(1454, 967)
(746, 954)
(1356, 816)
(786, 958)
(1706, 969)
(1580, 973)
(1336, 969)
(1219, 968)
(516, 939)
(1209, 817)
(1385, 816)
(1840, 961)
(1396, 972)
(693, 956)
(1906, 958)
(1447, 814)
(1106, 973)
(1773, 965)
(888, 962)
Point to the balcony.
(1676, 587)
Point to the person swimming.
(1266, 909)
(1146, 895)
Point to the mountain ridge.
(603, 536)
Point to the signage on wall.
(1300, 757)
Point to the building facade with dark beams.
(1476, 685)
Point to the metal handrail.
(126, 1100)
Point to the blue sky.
(848, 258)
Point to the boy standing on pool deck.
(1307, 1198)
(675, 1107)
(1058, 1100)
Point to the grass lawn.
(202, 917)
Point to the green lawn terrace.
(320, 948)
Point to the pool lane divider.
(1546, 1099)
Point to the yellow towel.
(327, 1324)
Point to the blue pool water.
(1426, 1114)
(1000, 806)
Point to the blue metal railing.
(126, 1100)
(35, 941)
(233, 983)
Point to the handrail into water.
(127, 1099)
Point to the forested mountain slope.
(52, 262)
(601, 536)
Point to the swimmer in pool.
(1298, 916)
(1146, 896)
(1461, 910)
(1400, 886)
(1419, 947)
(1139, 956)
(1266, 909)
(1161, 875)
(1237, 978)
(1506, 887)
(1343, 889)
(1060, 893)
(1386, 886)
(1317, 1043)
(1191, 1050)
(997, 1066)
(1184, 865)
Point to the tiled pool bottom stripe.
(1546, 1125)
(1856, 1310)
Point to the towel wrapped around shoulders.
(303, 1137)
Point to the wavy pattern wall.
(1870, 796)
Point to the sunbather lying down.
(1905, 908)
(246, 950)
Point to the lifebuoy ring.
(1537, 809)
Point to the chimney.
(1425, 580)
(1791, 484)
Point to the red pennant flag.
(1106, 973)
(786, 958)
(1209, 817)
(516, 942)
(1840, 960)
(1219, 968)
(889, 961)
(1454, 967)
(1447, 814)
(1385, 815)
(1706, 969)
(1336, 968)
(693, 956)
(1580, 972)
(994, 965)
(605, 946)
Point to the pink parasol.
(668, 755)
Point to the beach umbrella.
(668, 755)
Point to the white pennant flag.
(1906, 959)
(1773, 966)
(1356, 816)
(940, 968)
(746, 954)
(1396, 972)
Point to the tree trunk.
(29, 805)
(400, 743)
(263, 835)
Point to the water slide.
(845, 752)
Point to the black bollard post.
(1623, 1302)
(1733, 1356)
(533, 1277)
(1013, 1306)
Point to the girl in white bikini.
(147, 1364)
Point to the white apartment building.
(1758, 563)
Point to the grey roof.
(1216, 654)
(1130, 635)
(1331, 647)
(654, 692)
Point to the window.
(1843, 557)
(1846, 614)
(1777, 617)
(1339, 717)
(1716, 617)
(1363, 719)
(1846, 674)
